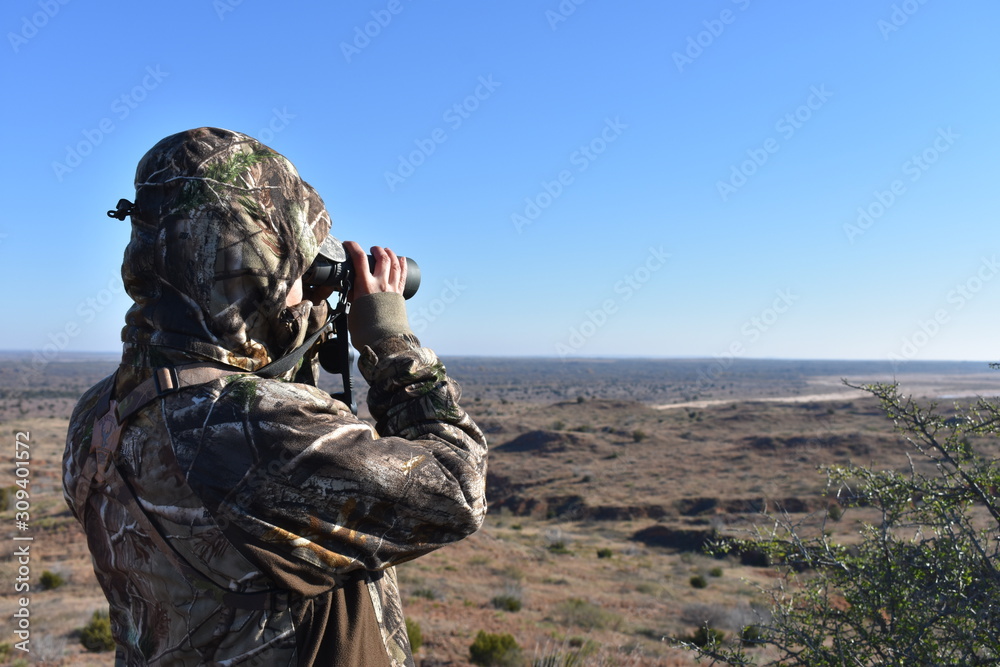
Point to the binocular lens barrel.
(325, 272)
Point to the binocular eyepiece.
(333, 268)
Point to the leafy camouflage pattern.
(221, 227)
(262, 485)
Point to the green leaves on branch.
(922, 586)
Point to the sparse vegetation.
(923, 586)
(706, 636)
(559, 548)
(574, 652)
(556, 543)
(51, 580)
(506, 602)
(414, 634)
(96, 635)
(495, 650)
(751, 635)
(648, 588)
(587, 615)
(635, 486)
(426, 593)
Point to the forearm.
(410, 395)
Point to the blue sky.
(734, 177)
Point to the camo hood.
(222, 226)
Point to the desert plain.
(606, 479)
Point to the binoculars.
(333, 268)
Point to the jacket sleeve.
(298, 474)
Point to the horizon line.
(609, 357)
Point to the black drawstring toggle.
(123, 209)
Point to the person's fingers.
(387, 275)
(393, 278)
(381, 270)
(352, 247)
(357, 256)
(402, 275)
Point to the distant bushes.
(6, 496)
(556, 543)
(51, 580)
(559, 547)
(414, 634)
(705, 635)
(752, 635)
(587, 615)
(512, 596)
(506, 602)
(574, 652)
(495, 650)
(96, 635)
(426, 593)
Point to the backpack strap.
(101, 470)
(169, 379)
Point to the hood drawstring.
(123, 209)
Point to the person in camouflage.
(235, 519)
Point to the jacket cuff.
(376, 316)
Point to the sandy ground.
(806, 398)
(920, 386)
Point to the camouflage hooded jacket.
(267, 488)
